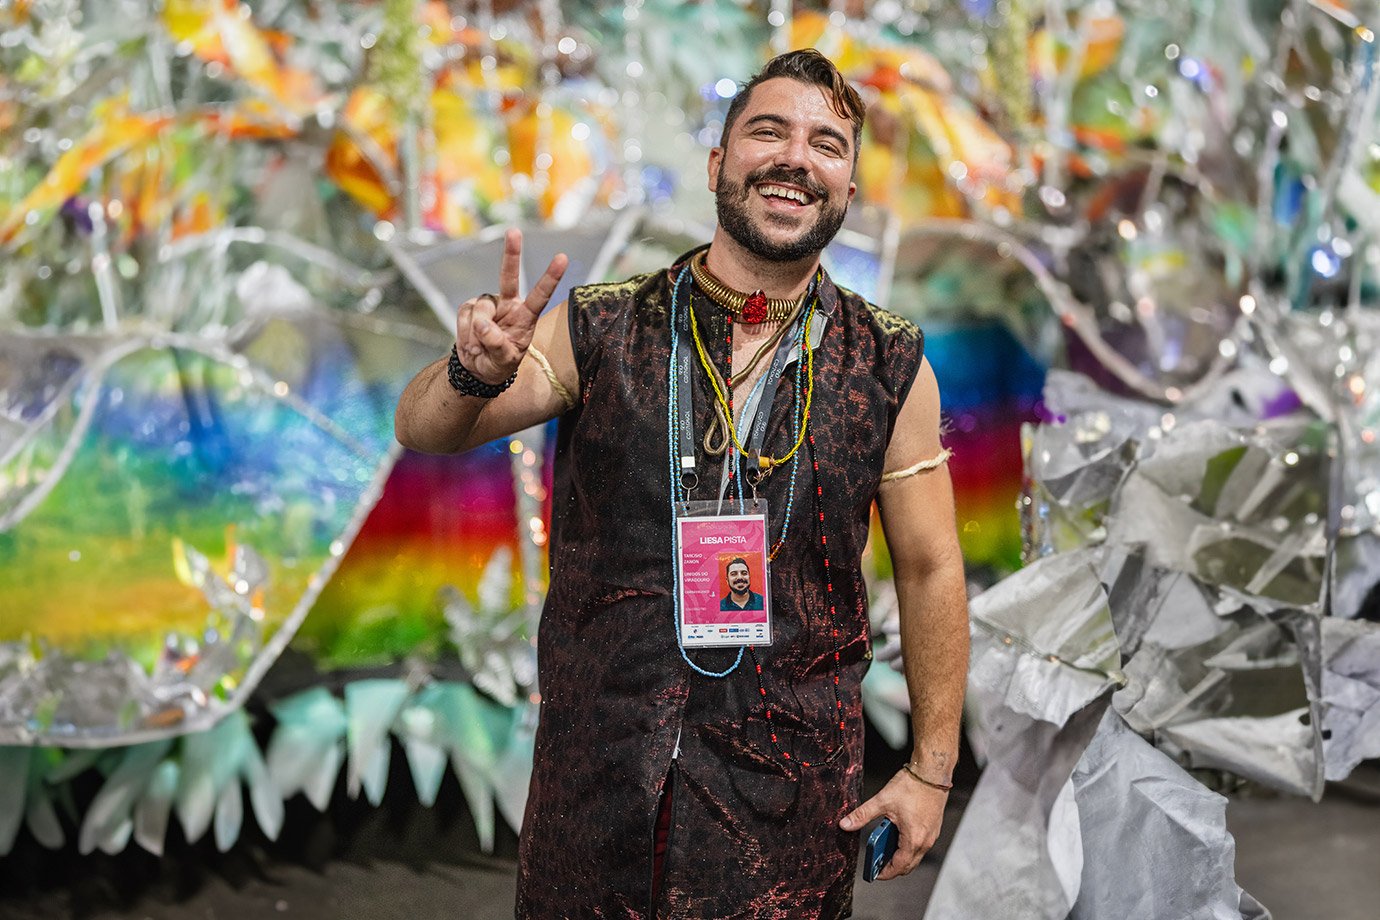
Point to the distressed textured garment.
(753, 834)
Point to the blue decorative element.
(109, 821)
(677, 492)
(25, 774)
(371, 707)
(203, 776)
(659, 184)
(854, 268)
(1197, 72)
(885, 699)
(1325, 261)
(424, 736)
(1289, 195)
(308, 746)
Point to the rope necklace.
(764, 463)
(716, 439)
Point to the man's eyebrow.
(827, 130)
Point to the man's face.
(738, 579)
(783, 178)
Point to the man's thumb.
(858, 817)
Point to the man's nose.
(794, 151)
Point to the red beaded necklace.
(828, 584)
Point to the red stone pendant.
(755, 309)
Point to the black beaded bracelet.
(466, 384)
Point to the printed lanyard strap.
(768, 397)
(685, 398)
(685, 357)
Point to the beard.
(731, 203)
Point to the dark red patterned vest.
(753, 835)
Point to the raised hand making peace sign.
(493, 332)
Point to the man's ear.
(852, 190)
(716, 162)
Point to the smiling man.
(677, 781)
(740, 595)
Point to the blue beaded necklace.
(678, 492)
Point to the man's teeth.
(781, 191)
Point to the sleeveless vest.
(753, 834)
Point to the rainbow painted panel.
(438, 523)
(988, 386)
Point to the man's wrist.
(934, 769)
(914, 773)
(466, 383)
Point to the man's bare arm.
(493, 337)
(917, 514)
(918, 520)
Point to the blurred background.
(1141, 238)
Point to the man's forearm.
(432, 417)
(934, 645)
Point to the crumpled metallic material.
(1092, 820)
(1143, 820)
(1035, 665)
(1186, 569)
(490, 634)
(1351, 690)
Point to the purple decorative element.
(1285, 403)
(74, 210)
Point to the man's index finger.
(511, 268)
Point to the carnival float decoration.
(231, 234)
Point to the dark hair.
(739, 561)
(810, 67)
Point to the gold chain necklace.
(752, 308)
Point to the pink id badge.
(723, 573)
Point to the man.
(678, 782)
(740, 595)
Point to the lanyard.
(685, 358)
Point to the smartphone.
(881, 846)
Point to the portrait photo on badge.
(740, 582)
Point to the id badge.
(723, 573)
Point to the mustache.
(798, 178)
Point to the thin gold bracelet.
(942, 787)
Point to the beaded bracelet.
(942, 787)
(466, 384)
